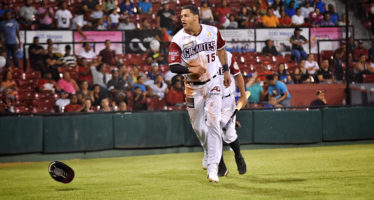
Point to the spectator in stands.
(125, 24)
(62, 101)
(327, 21)
(283, 74)
(114, 19)
(223, 10)
(243, 17)
(45, 15)
(135, 73)
(277, 3)
(8, 86)
(206, 14)
(84, 92)
(307, 9)
(27, 14)
(272, 102)
(68, 59)
(90, 5)
(290, 9)
(320, 5)
(109, 6)
(298, 19)
(84, 71)
(277, 11)
(269, 49)
(81, 21)
(285, 20)
(154, 71)
(140, 84)
(297, 41)
(108, 55)
(339, 57)
(166, 17)
(73, 106)
(63, 17)
(145, 25)
(123, 106)
(270, 20)
(168, 77)
(288, 2)
(144, 6)
(315, 17)
(105, 106)
(302, 74)
(233, 23)
(371, 50)
(334, 16)
(343, 22)
(127, 7)
(97, 13)
(47, 84)
(361, 67)
(351, 44)
(99, 75)
(360, 49)
(371, 65)
(257, 92)
(175, 97)
(279, 89)
(159, 87)
(260, 7)
(36, 55)
(311, 65)
(51, 63)
(87, 106)
(68, 84)
(87, 52)
(139, 99)
(97, 95)
(116, 87)
(320, 101)
(10, 31)
(103, 24)
(325, 74)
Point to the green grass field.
(333, 172)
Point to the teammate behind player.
(193, 52)
(228, 107)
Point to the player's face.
(188, 19)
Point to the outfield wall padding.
(348, 123)
(78, 133)
(287, 126)
(245, 133)
(21, 135)
(146, 130)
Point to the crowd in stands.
(92, 81)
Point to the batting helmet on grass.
(61, 172)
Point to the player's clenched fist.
(226, 79)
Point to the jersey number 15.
(211, 57)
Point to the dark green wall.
(53, 134)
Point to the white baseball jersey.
(202, 48)
(234, 71)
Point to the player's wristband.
(225, 68)
(179, 69)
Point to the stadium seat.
(368, 78)
(156, 104)
(22, 109)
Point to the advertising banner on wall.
(239, 40)
(55, 36)
(281, 38)
(99, 36)
(137, 41)
(326, 33)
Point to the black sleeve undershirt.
(179, 69)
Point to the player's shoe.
(213, 177)
(242, 167)
(205, 161)
(222, 169)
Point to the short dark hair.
(192, 8)
(269, 77)
(67, 47)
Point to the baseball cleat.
(242, 167)
(223, 172)
(213, 177)
(205, 161)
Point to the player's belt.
(227, 96)
(202, 83)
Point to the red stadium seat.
(156, 104)
(368, 78)
(22, 109)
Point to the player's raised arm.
(221, 52)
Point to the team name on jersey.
(206, 46)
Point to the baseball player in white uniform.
(228, 107)
(196, 51)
